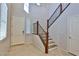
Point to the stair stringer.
(38, 43)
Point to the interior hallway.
(18, 26)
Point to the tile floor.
(31, 50)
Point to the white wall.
(38, 13)
(42, 12)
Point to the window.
(3, 21)
(26, 7)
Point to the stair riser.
(52, 46)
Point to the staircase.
(44, 35)
(38, 30)
(51, 44)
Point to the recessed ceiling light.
(38, 4)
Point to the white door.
(73, 41)
(17, 28)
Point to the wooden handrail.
(47, 36)
(37, 27)
(66, 7)
(46, 33)
(34, 28)
(60, 8)
(54, 12)
(42, 28)
(61, 11)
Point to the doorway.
(17, 30)
(73, 36)
(28, 29)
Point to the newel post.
(37, 27)
(46, 44)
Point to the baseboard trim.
(33, 33)
(17, 44)
(72, 54)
